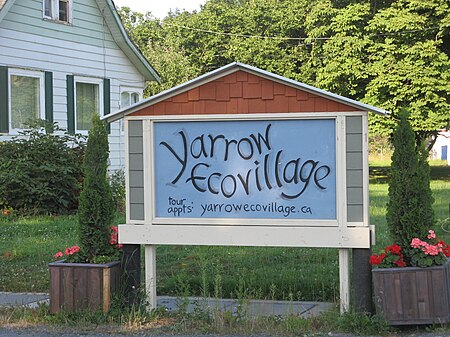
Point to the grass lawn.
(28, 244)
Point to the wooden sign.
(258, 169)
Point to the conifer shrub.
(96, 210)
(41, 170)
(409, 209)
(117, 183)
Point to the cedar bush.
(41, 170)
(117, 183)
(409, 209)
(96, 210)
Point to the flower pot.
(75, 286)
(412, 295)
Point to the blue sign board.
(253, 169)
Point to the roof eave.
(124, 42)
(314, 90)
(6, 6)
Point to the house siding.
(136, 170)
(83, 48)
(354, 155)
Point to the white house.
(62, 60)
(441, 148)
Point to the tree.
(341, 60)
(41, 171)
(409, 66)
(409, 209)
(391, 54)
(161, 48)
(96, 207)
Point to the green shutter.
(70, 104)
(49, 96)
(4, 120)
(107, 99)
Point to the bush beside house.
(41, 171)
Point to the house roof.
(118, 32)
(235, 67)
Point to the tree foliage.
(409, 209)
(41, 170)
(392, 54)
(96, 210)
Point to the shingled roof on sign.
(242, 89)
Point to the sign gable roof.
(240, 88)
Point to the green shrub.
(117, 183)
(409, 209)
(96, 211)
(41, 170)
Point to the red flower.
(58, 255)
(400, 263)
(395, 249)
(114, 238)
(431, 234)
(376, 259)
(446, 251)
(72, 250)
(430, 250)
(445, 248)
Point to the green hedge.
(41, 171)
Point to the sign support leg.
(344, 279)
(362, 281)
(150, 275)
(131, 271)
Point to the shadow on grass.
(381, 174)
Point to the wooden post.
(131, 272)
(106, 289)
(150, 275)
(362, 281)
(344, 279)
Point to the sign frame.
(357, 235)
(223, 232)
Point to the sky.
(159, 8)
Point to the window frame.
(25, 73)
(130, 90)
(89, 80)
(55, 11)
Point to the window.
(58, 10)
(26, 98)
(48, 13)
(129, 96)
(88, 101)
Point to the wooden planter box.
(406, 296)
(75, 286)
